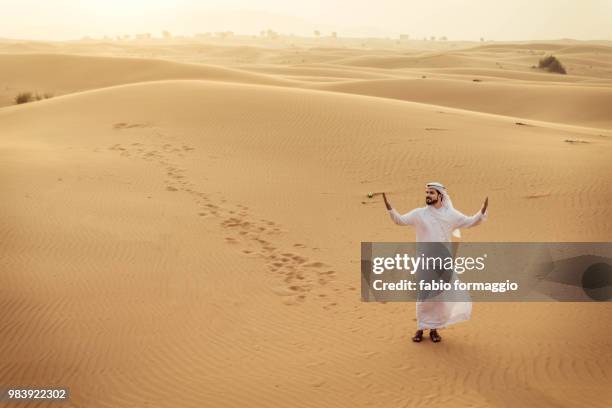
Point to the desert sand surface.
(181, 222)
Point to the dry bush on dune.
(46, 95)
(25, 97)
(552, 64)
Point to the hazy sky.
(456, 19)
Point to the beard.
(430, 201)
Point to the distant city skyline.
(454, 19)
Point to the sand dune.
(322, 70)
(583, 106)
(583, 59)
(428, 61)
(533, 75)
(591, 49)
(505, 47)
(61, 74)
(169, 243)
(181, 221)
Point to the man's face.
(431, 196)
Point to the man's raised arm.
(467, 222)
(406, 219)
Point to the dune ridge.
(61, 74)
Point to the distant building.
(404, 36)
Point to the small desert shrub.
(46, 95)
(552, 64)
(25, 97)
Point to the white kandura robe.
(436, 225)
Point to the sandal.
(418, 336)
(435, 337)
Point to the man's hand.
(386, 202)
(485, 205)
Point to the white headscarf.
(447, 204)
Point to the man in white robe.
(434, 223)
